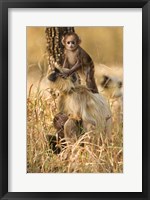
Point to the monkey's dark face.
(112, 86)
(108, 82)
(59, 82)
(71, 42)
(54, 75)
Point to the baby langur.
(77, 60)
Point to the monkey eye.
(71, 42)
(120, 84)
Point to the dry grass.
(105, 45)
(82, 157)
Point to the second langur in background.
(78, 60)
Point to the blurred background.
(103, 44)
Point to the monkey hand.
(66, 74)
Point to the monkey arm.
(73, 69)
(65, 62)
(90, 81)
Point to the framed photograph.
(74, 99)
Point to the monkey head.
(54, 75)
(109, 80)
(71, 41)
(58, 82)
(112, 85)
(57, 73)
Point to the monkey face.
(71, 43)
(112, 85)
(54, 75)
(58, 82)
(109, 80)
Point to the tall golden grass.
(103, 156)
(82, 157)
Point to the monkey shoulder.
(80, 89)
(85, 56)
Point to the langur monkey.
(78, 60)
(83, 108)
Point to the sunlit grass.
(84, 156)
(90, 154)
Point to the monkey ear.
(63, 40)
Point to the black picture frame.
(4, 6)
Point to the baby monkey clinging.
(78, 60)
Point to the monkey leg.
(88, 126)
(90, 81)
(71, 130)
(93, 134)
